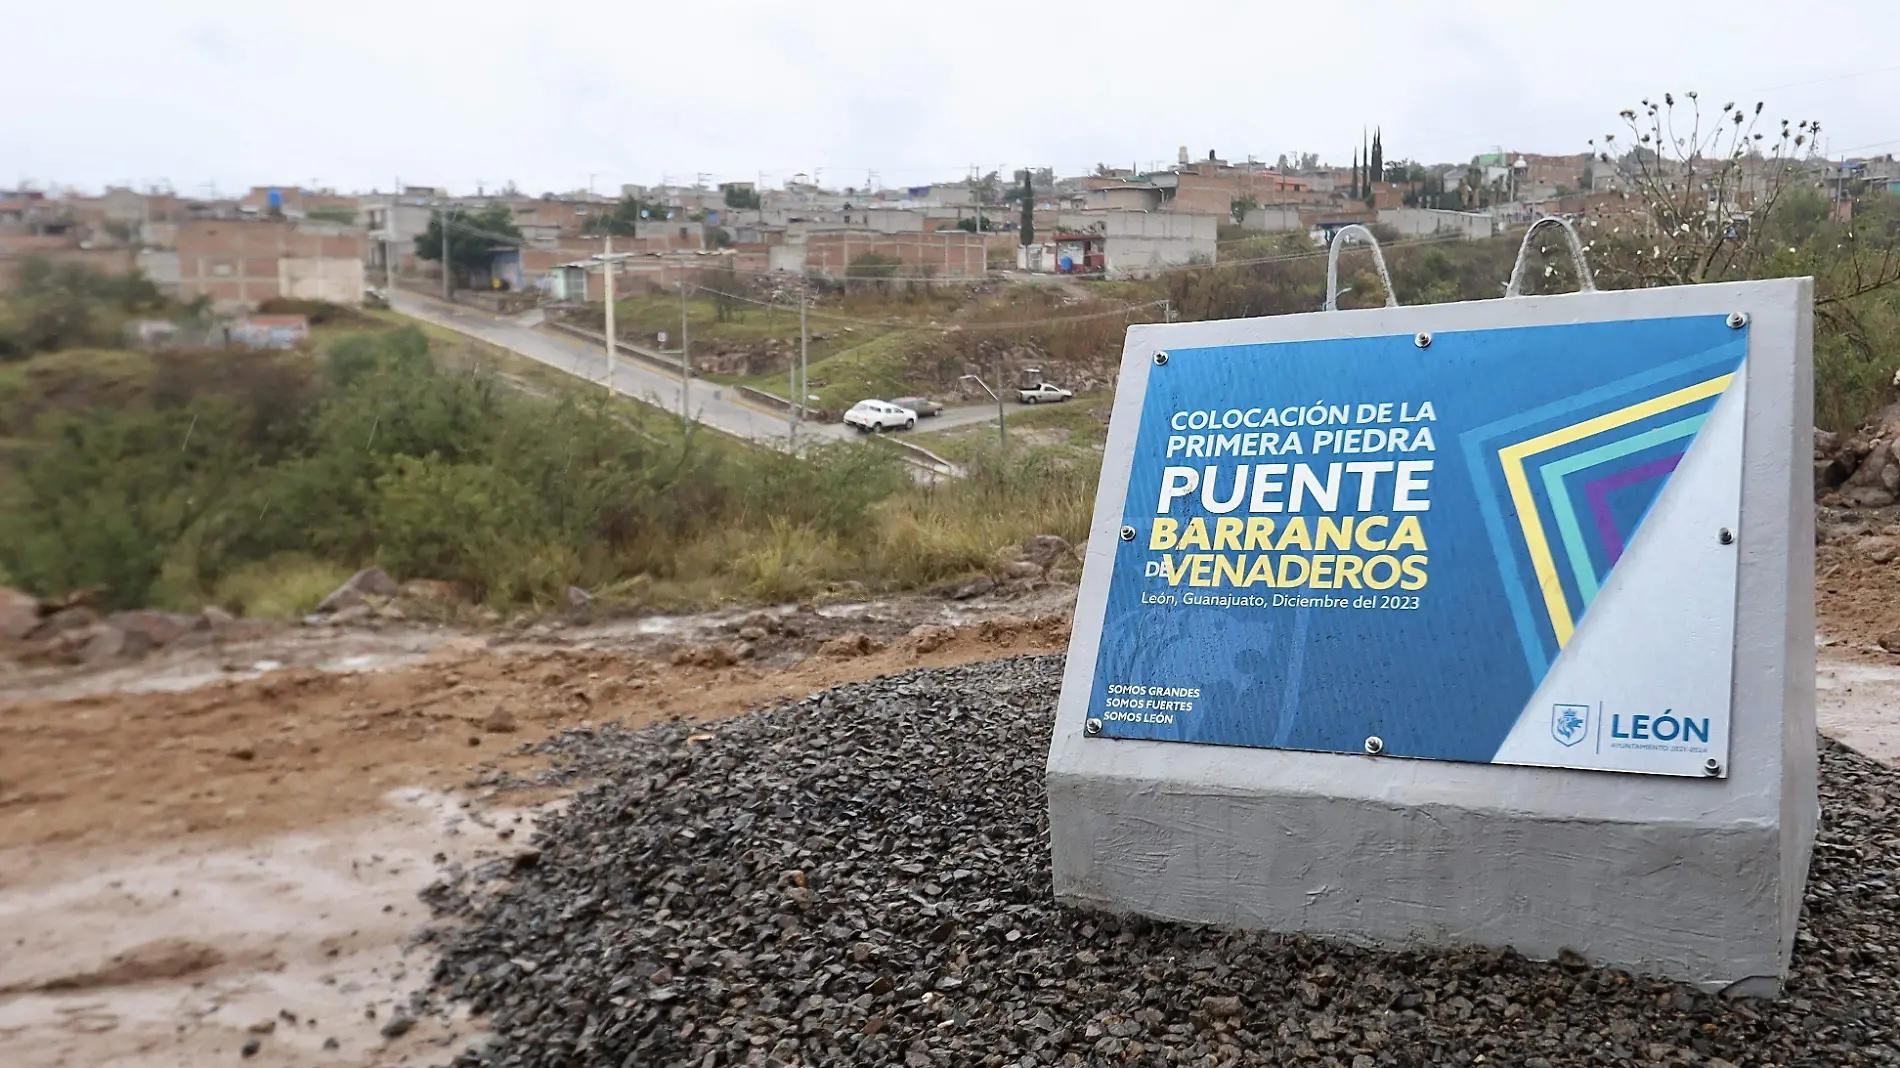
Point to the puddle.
(182, 955)
(1858, 705)
(176, 671)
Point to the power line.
(899, 324)
(1875, 144)
(1828, 78)
(682, 259)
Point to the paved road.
(711, 403)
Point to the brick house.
(239, 263)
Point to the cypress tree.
(1029, 209)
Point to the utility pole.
(389, 237)
(686, 360)
(1002, 435)
(804, 351)
(447, 294)
(607, 273)
(798, 387)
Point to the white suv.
(874, 415)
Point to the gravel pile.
(863, 878)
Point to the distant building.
(394, 222)
(1125, 244)
(294, 202)
(240, 263)
(1431, 222)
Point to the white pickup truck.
(1044, 394)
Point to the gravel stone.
(862, 878)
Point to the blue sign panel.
(1466, 547)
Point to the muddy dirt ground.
(221, 849)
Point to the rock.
(577, 597)
(1222, 1007)
(1044, 550)
(930, 637)
(77, 617)
(1880, 548)
(1867, 496)
(1828, 474)
(331, 1044)
(391, 613)
(717, 655)
(1886, 425)
(1876, 479)
(250, 1047)
(1022, 569)
(500, 721)
(214, 618)
(664, 922)
(1890, 641)
(1826, 444)
(262, 1027)
(975, 589)
(156, 628)
(750, 634)
(398, 1025)
(108, 642)
(433, 591)
(355, 613)
(850, 646)
(369, 582)
(19, 614)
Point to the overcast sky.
(356, 93)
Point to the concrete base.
(1371, 852)
(1695, 880)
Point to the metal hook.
(1359, 232)
(1585, 283)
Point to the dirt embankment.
(301, 745)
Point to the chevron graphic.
(1564, 487)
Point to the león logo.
(1569, 724)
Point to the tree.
(625, 217)
(1027, 226)
(1688, 192)
(1241, 206)
(984, 190)
(57, 306)
(1355, 174)
(473, 237)
(741, 195)
(873, 265)
(725, 292)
